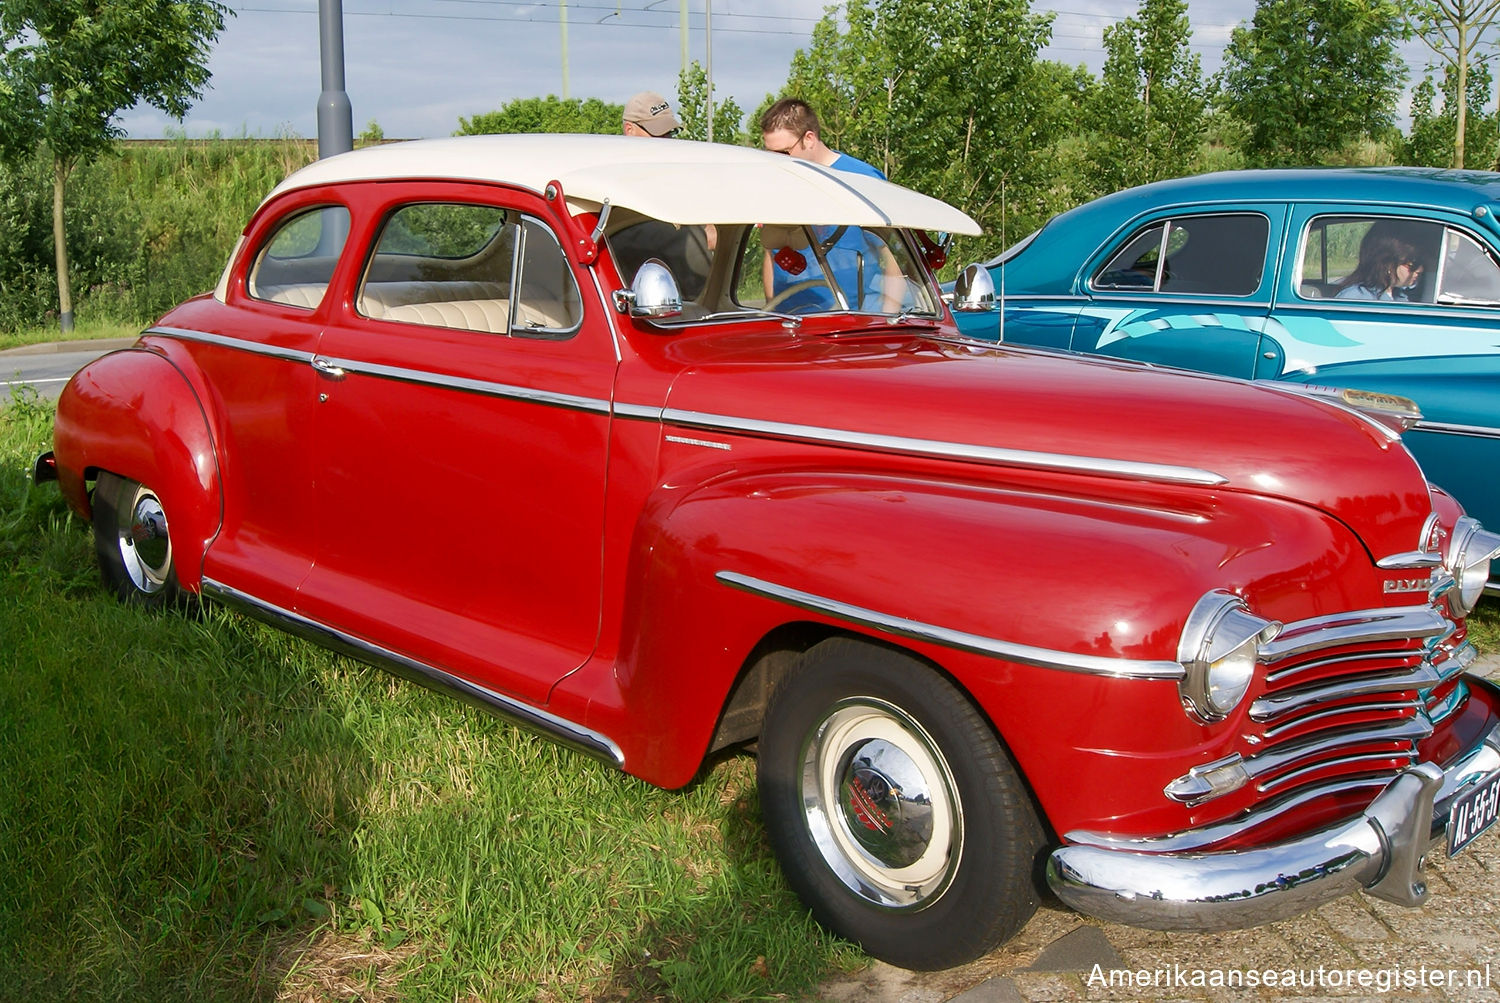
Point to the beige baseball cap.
(652, 112)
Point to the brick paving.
(1403, 954)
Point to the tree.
(1433, 130)
(1454, 30)
(68, 67)
(1149, 111)
(692, 101)
(944, 96)
(1311, 77)
(548, 114)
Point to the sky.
(417, 66)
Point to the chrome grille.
(1349, 696)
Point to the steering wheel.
(794, 289)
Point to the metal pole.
(562, 20)
(682, 27)
(708, 69)
(335, 116)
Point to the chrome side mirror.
(652, 294)
(974, 290)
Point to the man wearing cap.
(686, 250)
(650, 114)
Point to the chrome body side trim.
(1134, 470)
(1169, 883)
(554, 727)
(483, 387)
(224, 341)
(1448, 428)
(1023, 654)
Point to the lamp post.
(335, 116)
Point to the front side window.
(1219, 255)
(458, 265)
(296, 263)
(1396, 259)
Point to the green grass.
(85, 330)
(196, 807)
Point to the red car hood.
(919, 394)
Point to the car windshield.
(734, 270)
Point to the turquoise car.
(1266, 275)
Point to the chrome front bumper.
(1382, 852)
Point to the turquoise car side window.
(1468, 274)
(1210, 255)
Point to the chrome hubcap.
(145, 548)
(881, 804)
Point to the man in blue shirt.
(860, 261)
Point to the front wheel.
(131, 542)
(896, 814)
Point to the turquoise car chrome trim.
(1024, 654)
(574, 735)
(1446, 428)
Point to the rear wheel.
(132, 543)
(895, 812)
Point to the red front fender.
(133, 413)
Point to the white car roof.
(676, 180)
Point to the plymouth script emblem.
(1406, 584)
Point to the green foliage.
(372, 133)
(944, 97)
(1432, 140)
(1149, 111)
(692, 100)
(1312, 77)
(1454, 30)
(548, 114)
(148, 226)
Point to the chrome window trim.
(950, 450)
(1023, 654)
(573, 735)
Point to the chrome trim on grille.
(1272, 706)
(560, 729)
(1024, 654)
(1393, 707)
(1445, 708)
(1134, 470)
(1358, 627)
(1411, 729)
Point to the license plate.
(1473, 811)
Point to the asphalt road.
(46, 368)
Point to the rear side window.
(296, 263)
(1396, 259)
(1217, 255)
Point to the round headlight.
(1219, 650)
(1469, 559)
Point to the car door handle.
(327, 368)
(1268, 355)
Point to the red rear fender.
(134, 414)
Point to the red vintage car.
(659, 447)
